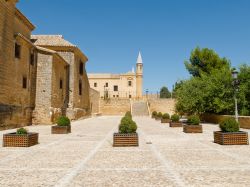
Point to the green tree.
(177, 85)
(164, 93)
(244, 90)
(211, 93)
(204, 61)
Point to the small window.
(113, 95)
(17, 50)
(107, 84)
(61, 83)
(95, 84)
(129, 83)
(24, 82)
(81, 68)
(117, 95)
(32, 59)
(129, 96)
(115, 88)
(80, 87)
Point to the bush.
(22, 131)
(128, 114)
(154, 114)
(63, 121)
(193, 120)
(229, 125)
(165, 116)
(175, 118)
(127, 125)
(159, 115)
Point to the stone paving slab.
(86, 157)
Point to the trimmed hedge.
(193, 120)
(63, 121)
(175, 118)
(229, 125)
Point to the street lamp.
(147, 93)
(235, 85)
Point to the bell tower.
(139, 76)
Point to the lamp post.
(235, 85)
(147, 93)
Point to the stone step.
(140, 109)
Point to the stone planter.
(124, 140)
(165, 120)
(175, 124)
(60, 129)
(158, 118)
(192, 128)
(231, 138)
(20, 140)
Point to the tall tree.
(204, 61)
(164, 93)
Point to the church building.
(125, 85)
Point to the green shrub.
(175, 118)
(63, 121)
(229, 125)
(165, 116)
(127, 125)
(128, 114)
(159, 115)
(22, 131)
(154, 114)
(193, 120)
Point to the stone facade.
(94, 101)
(78, 103)
(17, 67)
(114, 106)
(126, 85)
(52, 87)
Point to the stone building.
(78, 102)
(51, 86)
(17, 67)
(126, 85)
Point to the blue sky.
(111, 32)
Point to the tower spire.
(139, 58)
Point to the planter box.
(20, 140)
(165, 120)
(123, 140)
(60, 129)
(192, 128)
(175, 124)
(231, 138)
(157, 118)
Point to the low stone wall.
(115, 106)
(162, 105)
(214, 118)
(94, 97)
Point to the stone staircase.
(140, 108)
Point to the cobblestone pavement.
(86, 158)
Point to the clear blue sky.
(111, 32)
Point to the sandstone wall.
(114, 106)
(16, 102)
(162, 105)
(214, 118)
(94, 101)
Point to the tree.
(212, 93)
(176, 87)
(164, 93)
(204, 61)
(244, 90)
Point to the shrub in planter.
(175, 121)
(20, 138)
(158, 116)
(63, 126)
(128, 114)
(193, 125)
(127, 135)
(165, 118)
(230, 134)
(154, 114)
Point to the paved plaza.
(166, 157)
